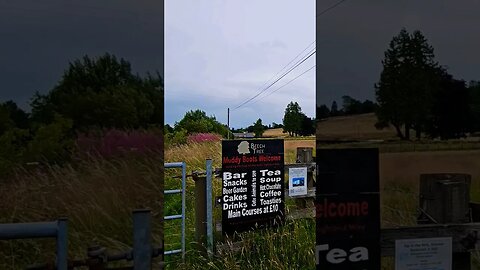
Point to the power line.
(263, 90)
(289, 63)
(312, 52)
(303, 73)
(291, 69)
(330, 8)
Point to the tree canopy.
(415, 92)
(258, 128)
(102, 92)
(197, 121)
(295, 122)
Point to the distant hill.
(353, 127)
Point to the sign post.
(252, 184)
(347, 209)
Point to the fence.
(446, 212)
(141, 254)
(181, 216)
(56, 229)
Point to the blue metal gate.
(181, 216)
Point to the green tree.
(404, 91)
(6, 123)
(334, 109)
(322, 112)
(292, 120)
(474, 97)
(18, 116)
(102, 92)
(368, 106)
(198, 122)
(308, 126)
(275, 125)
(451, 115)
(258, 128)
(351, 105)
(52, 142)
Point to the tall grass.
(97, 195)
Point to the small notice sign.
(297, 181)
(423, 253)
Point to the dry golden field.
(405, 168)
(275, 133)
(356, 127)
(353, 127)
(291, 145)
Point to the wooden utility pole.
(228, 123)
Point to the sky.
(38, 39)
(352, 39)
(220, 53)
(217, 54)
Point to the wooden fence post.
(444, 199)
(305, 155)
(200, 213)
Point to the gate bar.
(209, 206)
(57, 229)
(182, 215)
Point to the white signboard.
(297, 181)
(423, 254)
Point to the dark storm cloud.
(39, 38)
(352, 38)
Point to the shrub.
(114, 143)
(203, 137)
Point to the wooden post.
(305, 155)
(200, 213)
(444, 199)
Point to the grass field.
(399, 174)
(98, 195)
(355, 127)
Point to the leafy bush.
(176, 138)
(12, 148)
(51, 143)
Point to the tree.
(474, 97)
(292, 120)
(198, 122)
(167, 129)
(368, 106)
(351, 105)
(275, 125)
(451, 115)
(334, 109)
(404, 91)
(322, 112)
(18, 116)
(258, 128)
(308, 126)
(102, 92)
(6, 123)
